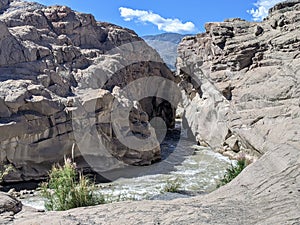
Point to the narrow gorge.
(70, 85)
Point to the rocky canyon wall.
(61, 75)
(241, 82)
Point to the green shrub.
(64, 191)
(4, 170)
(233, 171)
(172, 186)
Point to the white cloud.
(262, 8)
(164, 24)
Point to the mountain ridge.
(166, 45)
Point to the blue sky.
(159, 16)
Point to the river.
(196, 169)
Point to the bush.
(172, 186)
(232, 172)
(64, 191)
(4, 170)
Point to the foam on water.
(199, 172)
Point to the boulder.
(9, 204)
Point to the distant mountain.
(166, 45)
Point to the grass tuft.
(64, 191)
(172, 186)
(233, 171)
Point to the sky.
(148, 17)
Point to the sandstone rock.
(265, 193)
(263, 114)
(248, 81)
(259, 30)
(252, 72)
(52, 59)
(13, 51)
(9, 204)
(233, 143)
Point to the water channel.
(196, 169)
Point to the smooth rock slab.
(267, 192)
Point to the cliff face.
(241, 82)
(61, 77)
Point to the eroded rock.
(9, 204)
(248, 74)
(52, 59)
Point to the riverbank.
(197, 174)
(265, 193)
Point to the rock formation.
(9, 206)
(61, 70)
(241, 87)
(241, 82)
